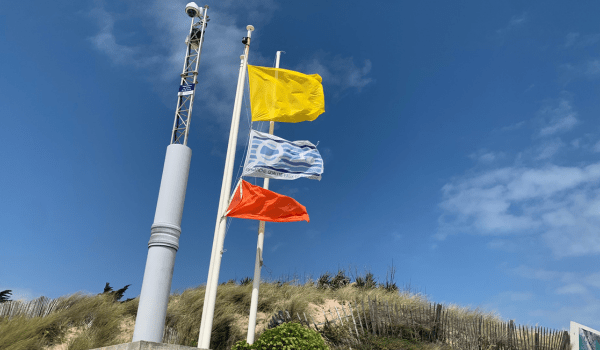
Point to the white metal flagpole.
(222, 201)
(221, 225)
(259, 250)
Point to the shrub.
(367, 282)
(324, 281)
(5, 295)
(245, 281)
(327, 281)
(287, 336)
(340, 280)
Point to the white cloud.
(557, 119)
(549, 148)
(560, 204)
(573, 288)
(593, 68)
(515, 22)
(276, 247)
(163, 54)
(576, 40)
(593, 280)
(513, 126)
(485, 156)
(339, 73)
(570, 282)
(519, 296)
(106, 42)
(589, 69)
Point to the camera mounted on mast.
(194, 11)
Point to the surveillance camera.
(193, 10)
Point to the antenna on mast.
(189, 76)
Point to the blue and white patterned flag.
(273, 157)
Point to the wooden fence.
(39, 307)
(43, 306)
(433, 323)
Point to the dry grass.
(96, 321)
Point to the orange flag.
(254, 202)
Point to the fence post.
(436, 322)
(387, 309)
(511, 326)
(357, 314)
(326, 320)
(337, 312)
(346, 318)
(365, 315)
(353, 320)
(566, 342)
(536, 344)
(373, 325)
(313, 321)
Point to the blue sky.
(460, 142)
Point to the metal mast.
(189, 78)
(166, 229)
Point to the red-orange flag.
(254, 202)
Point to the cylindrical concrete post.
(163, 245)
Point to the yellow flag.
(282, 95)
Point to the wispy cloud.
(560, 204)
(576, 40)
(557, 205)
(513, 126)
(589, 69)
(105, 42)
(573, 288)
(276, 247)
(548, 148)
(485, 156)
(557, 119)
(163, 54)
(514, 23)
(541, 274)
(578, 291)
(339, 73)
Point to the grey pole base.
(146, 345)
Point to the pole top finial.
(250, 27)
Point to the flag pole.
(210, 294)
(259, 252)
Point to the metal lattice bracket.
(189, 78)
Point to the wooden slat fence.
(43, 306)
(432, 323)
(39, 307)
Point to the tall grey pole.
(166, 229)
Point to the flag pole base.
(147, 345)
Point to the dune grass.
(91, 321)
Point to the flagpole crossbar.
(189, 79)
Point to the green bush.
(288, 336)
